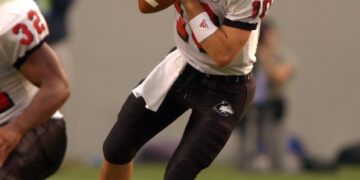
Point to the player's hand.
(9, 139)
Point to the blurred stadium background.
(113, 46)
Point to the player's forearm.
(217, 45)
(152, 6)
(45, 103)
(218, 48)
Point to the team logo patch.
(224, 108)
(204, 24)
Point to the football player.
(33, 87)
(209, 73)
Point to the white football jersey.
(243, 14)
(22, 30)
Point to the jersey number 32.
(39, 27)
(5, 102)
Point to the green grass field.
(217, 172)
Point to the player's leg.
(135, 126)
(53, 140)
(203, 140)
(39, 153)
(111, 171)
(208, 130)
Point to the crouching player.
(33, 87)
(209, 73)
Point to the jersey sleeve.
(246, 14)
(25, 36)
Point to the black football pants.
(217, 104)
(39, 153)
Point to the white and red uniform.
(22, 30)
(243, 14)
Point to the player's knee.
(117, 151)
(54, 145)
(184, 169)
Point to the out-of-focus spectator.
(262, 130)
(56, 13)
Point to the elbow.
(223, 57)
(61, 92)
(222, 61)
(65, 92)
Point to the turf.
(217, 172)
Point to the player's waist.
(189, 69)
